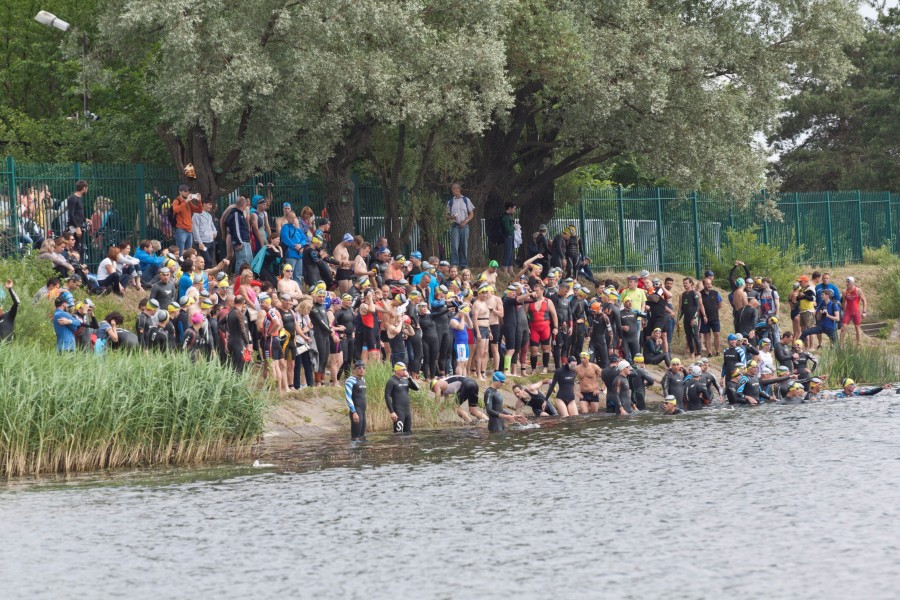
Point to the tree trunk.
(335, 175)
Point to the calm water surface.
(780, 502)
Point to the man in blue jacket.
(294, 239)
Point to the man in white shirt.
(460, 211)
(204, 227)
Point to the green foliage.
(888, 287)
(780, 264)
(78, 411)
(863, 364)
(879, 256)
(843, 135)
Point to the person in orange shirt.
(184, 207)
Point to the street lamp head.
(45, 18)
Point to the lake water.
(778, 501)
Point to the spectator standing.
(240, 235)
(204, 232)
(8, 319)
(509, 237)
(75, 214)
(294, 239)
(184, 207)
(460, 211)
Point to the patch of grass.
(879, 256)
(78, 411)
(888, 288)
(885, 332)
(864, 364)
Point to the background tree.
(846, 135)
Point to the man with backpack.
(460, 211)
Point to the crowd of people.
(312, 308)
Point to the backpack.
(495, 232)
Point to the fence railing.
(655, 228)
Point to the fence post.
(859, 224)
(696, 214)
(76, 169)
(659, 234)
(142, 201)
(621, 226)
(730, 211)
(765, 220)
(890, 223)
(797, 217)
(357, 220)
(582, 220)
(13, 199)
(828, 228)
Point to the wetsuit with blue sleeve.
(857, 393)
(355, 394)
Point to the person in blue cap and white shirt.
(460, 211)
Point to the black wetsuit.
(414, 342)
(783, 355)
(430, 346)
(601, 339)
(631, 343)
(804, 371)
(8, 320)
(465, 388)
(730, 358)
(142, 327)
(509, 329)
(572, 253)
(696, 394)
(638, 380)
(564, 318)
(710, 382)
(164, 293)
(690, 310)
(746, 319)
(539, 404)
(579, 330)
(673, 384)
(654, 352)
(440, 314)
(564, 377)
(493, 406)
(618, 395)
(355, 395)
(557, 250)
(238, 337)
(346, 318)
(396, 396)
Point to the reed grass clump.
(79, 412)
(864, 364)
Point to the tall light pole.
(49, 19)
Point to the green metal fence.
(655, 228)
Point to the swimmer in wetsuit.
(355, 394)
(618, 392)
(670, 407)
(396, 396)
(493, 404)
(639, 379)
(531, 396)
(850, 390)
(564, 377)
(465, 389)
(588, 375)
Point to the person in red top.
(850, 304)
(184, 207)
(543, 325)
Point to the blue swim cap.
(732, 337)
(499, 376)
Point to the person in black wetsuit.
(564, 378)
(849, 389)
(618, 392)
(8, 319)
(562, 303)
(747, 317)
(531, 396)
(355, 394)
(673, 382)
(509, 328)
(655, 349)
(638, 379)
(493, 404)
(466, 391)
(396, 396)
(345, 318)
(558, 249)
(803, 361)
(601, 335)
(572, 253)
(696, 395)
(414, 342)
(631, 343)
(430, 341)
(238, 333)
(670, 407)
(731, 356)
(691, 313)
(709, 380)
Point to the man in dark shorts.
(709, 323)
(465, 389)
